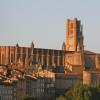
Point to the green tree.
(28, 98)
(86, 92)
(61, 98)
(64, 98)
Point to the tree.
(86, 92)
(61, 98)
(28, 98)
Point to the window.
(3, 59)
(71, 26)
(12, 58)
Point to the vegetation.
(86, 92)
(61, 98)
(82, 92)
(28, 98)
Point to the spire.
(63, 46)
(32, 44)
(17, 45)
(78, 47)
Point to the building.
(26, 56)
(91, 77)
(72, 57)
(7, 90)
(20, 88)
(72, 51)
(41, 85)
(64, 82)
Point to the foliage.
(82, 92)
(86, 92)
(64, 98)
(28, 98)
(61, 98)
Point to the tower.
(74, 36)
(74, 58)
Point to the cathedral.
(72, 56)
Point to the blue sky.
(44, 22)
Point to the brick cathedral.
(72, 56)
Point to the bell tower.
(74, 36)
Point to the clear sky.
(44, 22)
